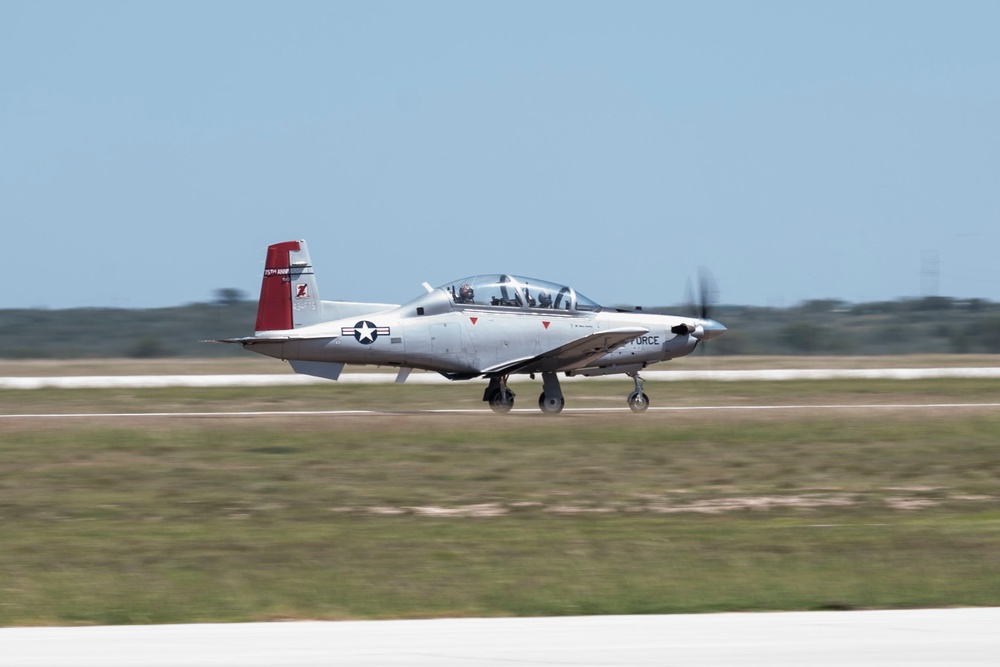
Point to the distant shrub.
(148, 347)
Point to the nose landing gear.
(637, 400)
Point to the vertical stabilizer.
(288, 295)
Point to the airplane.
(487, 326)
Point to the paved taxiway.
(960, 637)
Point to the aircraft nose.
(712, 329)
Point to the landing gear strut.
(500, 398)
(637, 400)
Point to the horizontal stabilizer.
(248, 340)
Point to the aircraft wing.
(575, 354)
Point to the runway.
(956, 637)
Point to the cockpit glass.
(509, 291)
(583, 303)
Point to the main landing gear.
(551, 401)
(500, 398)
(637, 400)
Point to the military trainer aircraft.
(486, 326)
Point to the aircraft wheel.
(551, 405)
(638, 401)
(502, 401)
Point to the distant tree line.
(818, 327)
(830, 327)
(80, 333)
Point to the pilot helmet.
(465, 291)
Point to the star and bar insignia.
(365, 332)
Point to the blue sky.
(150, 151)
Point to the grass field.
(414, 514)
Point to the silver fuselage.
(464, 341)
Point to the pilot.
(465, 294)
(544, 300)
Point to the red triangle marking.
(545, 324)
(473, 320)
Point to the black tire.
(551, 406)
(638, 401)
(501, 402)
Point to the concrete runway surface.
(912, 637)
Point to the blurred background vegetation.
(929, 325)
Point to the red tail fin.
(274, 311)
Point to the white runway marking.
(534, 411)
(959, 637)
